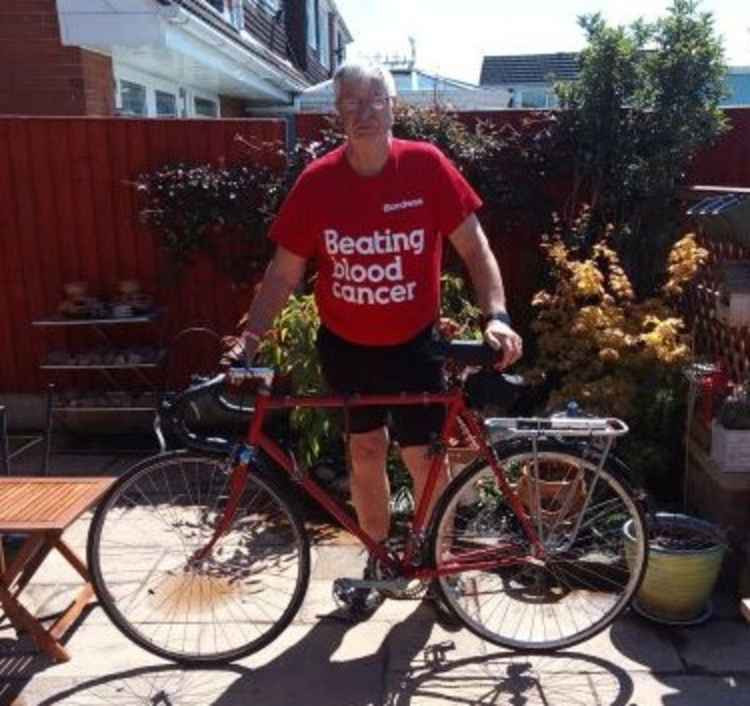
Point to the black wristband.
(497, 316)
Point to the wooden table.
(43, 508)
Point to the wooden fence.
(68, 212)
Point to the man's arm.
(283, 275)
(471, 243)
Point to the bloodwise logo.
(358, 282)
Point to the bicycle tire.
(141, 554)
(531, 604)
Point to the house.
(415, 87)
(530, 78)
(164, 58)
(738, 86)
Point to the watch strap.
(497, 316)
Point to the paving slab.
(531, 688)
(336, 561)
(67, 464)
(629, 644)
(304, 665)
(519, 684)
(715, 646)
(399, 657)
(156, 685)
(319, 604)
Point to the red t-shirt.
(378, 240)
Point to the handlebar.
(172, 413)
(173, 409)
(472, 353)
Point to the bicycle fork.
(237, 483)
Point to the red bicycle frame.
(456, 408)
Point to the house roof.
(319, 98)
(340, 20)
(424, 80)
(528, 68)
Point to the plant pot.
(559, 487)
(679, 580)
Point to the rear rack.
(532, 427)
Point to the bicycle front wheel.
(181, 603)
(588, 573)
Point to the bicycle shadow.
(406, 667)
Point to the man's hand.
(240, 350)
(502, 337)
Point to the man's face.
(365, 109)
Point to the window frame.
(324, 35)
(175, 95)
(120, 106)
(184, 93)
(194, 106)
(311, 12)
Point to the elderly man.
(374, 214)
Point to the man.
(374, 213)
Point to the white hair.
(359, 71)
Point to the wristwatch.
(497, 316)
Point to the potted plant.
(685, 556)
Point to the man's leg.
(418, 461)
(370, 489)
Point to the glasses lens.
(352, 105)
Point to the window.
(206, 108)
(325, 47)
(166, 104)
(217, 4)
(133, 98)
(312, 24)
(534, 98)
(340, 53)
(237, 10)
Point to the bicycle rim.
(586, 579)
(142, 555)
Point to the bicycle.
(200, 556)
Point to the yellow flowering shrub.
(598, 344)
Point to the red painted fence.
(68, 212)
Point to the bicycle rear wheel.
(142, 553)
(588, 575)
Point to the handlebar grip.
(474, 353)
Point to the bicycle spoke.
(581, 582)
(163, 593)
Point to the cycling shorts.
(349, 368)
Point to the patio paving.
(399, 657)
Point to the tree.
(646, 100)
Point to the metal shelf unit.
(109, 371)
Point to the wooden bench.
(42, 509)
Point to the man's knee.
(369, 447)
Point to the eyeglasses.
(353, 105)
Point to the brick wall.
(40, 76)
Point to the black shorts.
(407, 367)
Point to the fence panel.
(68, 212)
